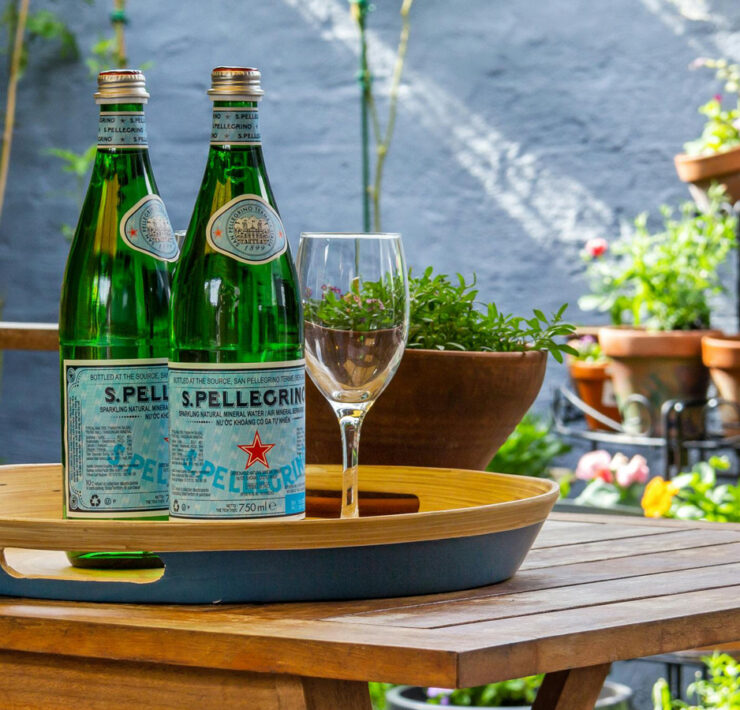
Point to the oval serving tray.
(472, 528)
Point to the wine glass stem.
(350, 427)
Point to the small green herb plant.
(588, 349)
(445, 316)
(530, 448)
(516, 692)
(442, 316)
(665, 280)
(721, 691)
(722, 128)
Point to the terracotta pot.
(660, 365)
(700, 171)
(721, 354)
(593, 383)
(442, 409)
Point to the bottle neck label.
(146, 227)
(235, 126)
(248, 229)
(122, 129)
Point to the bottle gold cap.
(235, 84)
(121, 86)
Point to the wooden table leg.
(325, 694)
(51, 682)
(574, 689)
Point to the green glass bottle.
(114, 328)
(237, 378)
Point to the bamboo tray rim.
(536, 498)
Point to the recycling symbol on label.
(175, 506)
(94, 501)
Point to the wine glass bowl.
(354, 291)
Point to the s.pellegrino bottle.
(114, 328)
(237, 374)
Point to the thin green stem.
(15, 64)
(365, 97)
(119, 7)
(382, 146)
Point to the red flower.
(596, 247)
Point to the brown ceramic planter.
(442, 409)
(659, 365)
(721, 354)
(593, 383)
(700, 171)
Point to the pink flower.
(436, 692)
(595, 464)
(596, 247)
(635, 471)
(718, 98)
(698, 63)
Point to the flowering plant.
(722, 128)
(612, 480)
(663, 280)
(694, 495)
(520, 691)
(588, 349)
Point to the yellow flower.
(658, 496)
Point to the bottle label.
(235, 126)
(115, 438)
(237, 440)
(247, 228)
(146, 228)
(122, 128)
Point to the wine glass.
(354, 289)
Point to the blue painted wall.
(523, 129)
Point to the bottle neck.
(235, 125)
(122, 126)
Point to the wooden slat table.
(593, 590)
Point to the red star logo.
(256, 451)
(132, 232)
(218, 232)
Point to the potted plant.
(720, 691)
(467, 377)
(590, 372)
(714, 157)
(508, 694)
(657, 289)
(721, 354)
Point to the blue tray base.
(402, 569)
